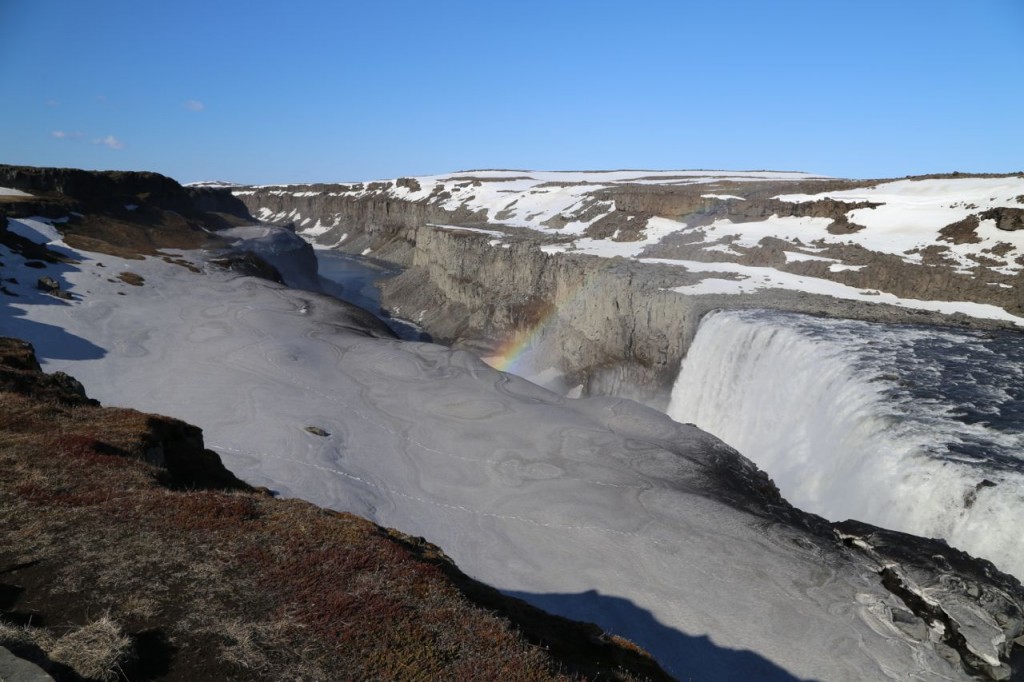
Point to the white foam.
(811, 402)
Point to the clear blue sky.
(332, 90)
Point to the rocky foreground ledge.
(127, 551)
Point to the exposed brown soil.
(962, 231)
(132, 278)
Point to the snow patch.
(751, 278)
(38, 230)
(11, 192)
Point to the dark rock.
(132, 278)
(19, 355)
(943, 585)
(842, 225)
(1008, 219)
(219, 202)
(68, 384)
(249, 264)
(961, 232)
(317, 431)
(47, 284)
(124, 210)
(20, 373)
(410, 183)
(52, 287)
(179, 448)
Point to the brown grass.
(142, 235)
(132, 278)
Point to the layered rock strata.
(526, 274)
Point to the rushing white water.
(911, 428)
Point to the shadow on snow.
(681, 655)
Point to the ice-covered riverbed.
(354, 279)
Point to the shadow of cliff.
(686, 657)
(50, 342)
(19, 273)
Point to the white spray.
(817, 404)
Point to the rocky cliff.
(120, 212)
(105, 191)
(534, 265)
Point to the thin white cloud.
(194, 105)
(110, 142)
(66, 135)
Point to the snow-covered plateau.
(597, 508)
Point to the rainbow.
(512, 354)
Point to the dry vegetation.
(128, 552)
(136, 280)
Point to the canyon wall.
(610, 325)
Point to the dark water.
(967, 385)
(354, 279)
(977, 380)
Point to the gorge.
(598, 508)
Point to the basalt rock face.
(609, 323)
(612, 324)
(1007, 219)
(127, 214)
(609, 334)
(59, 190)
(355, 222)
(751, 201)
(937, 277)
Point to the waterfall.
(909, 428)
